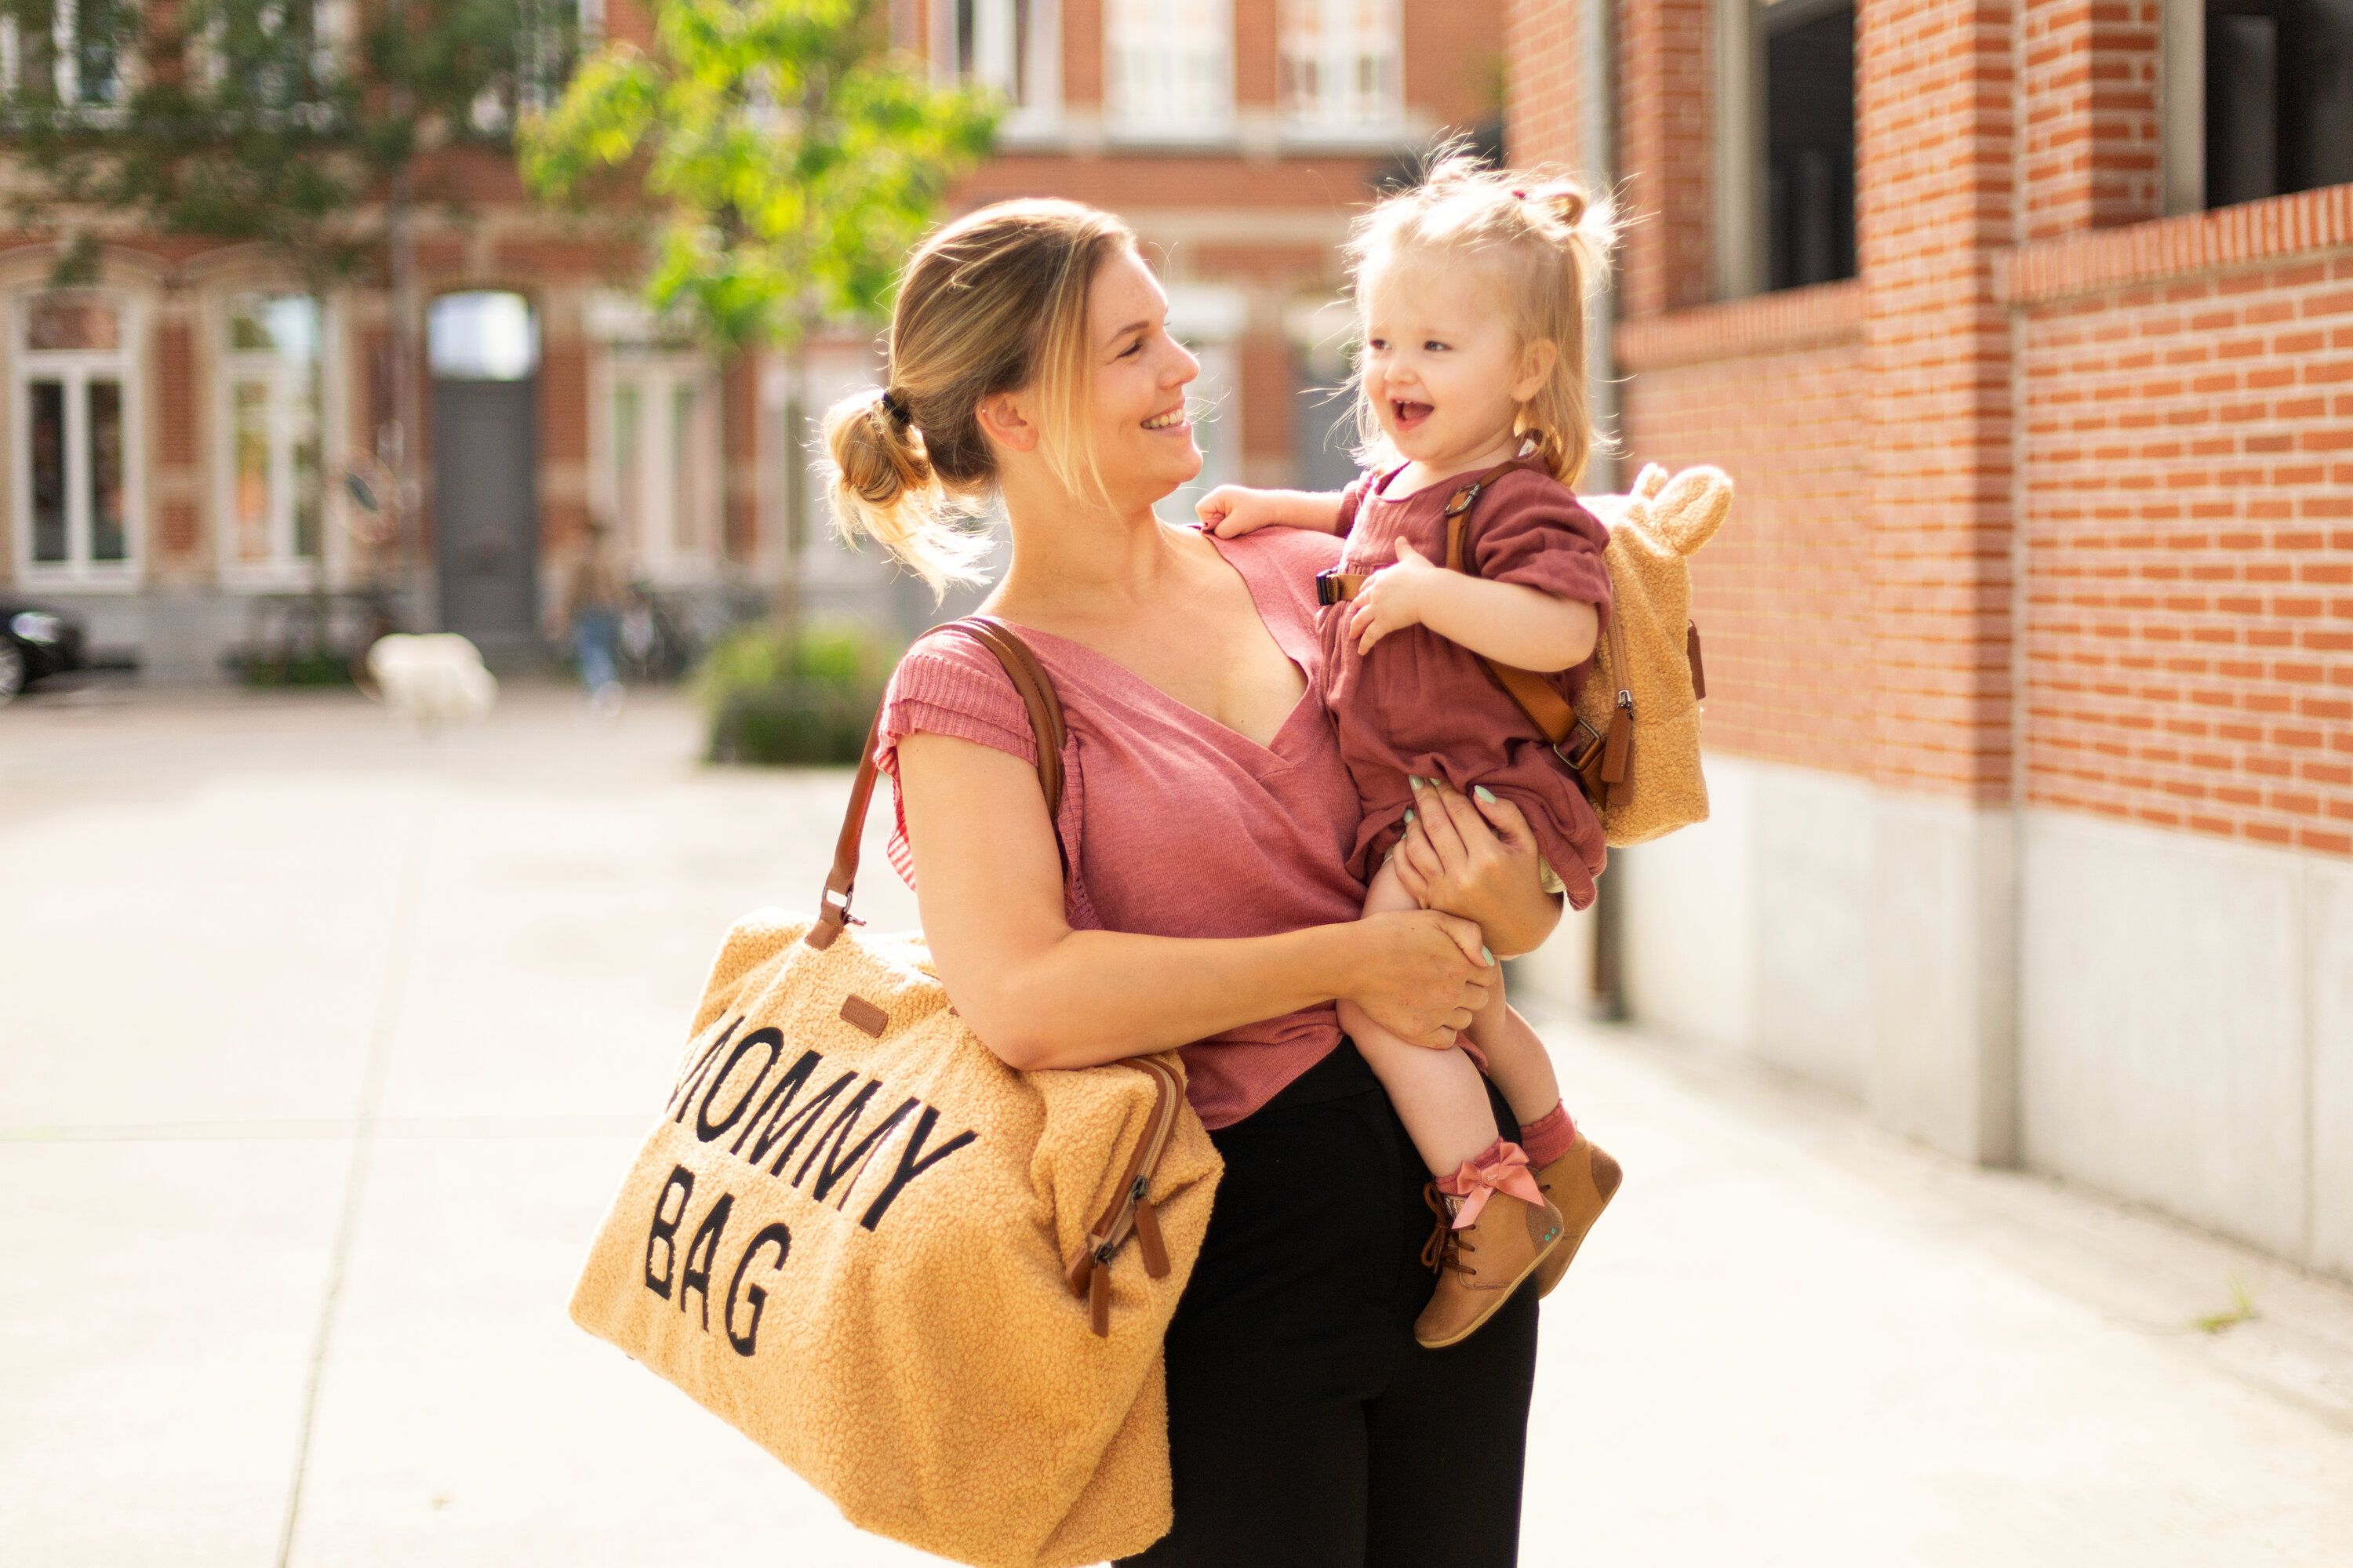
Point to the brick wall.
(2088, 114)
(2187, 511)
(1783, 599)
(1662, 135)
(1540, 67)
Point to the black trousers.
(1307, 1428)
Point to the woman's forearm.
(1092, 997)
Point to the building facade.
(155, 418)
(2026, 331)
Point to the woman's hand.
(1425, 974)
(1478, 859)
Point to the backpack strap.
(1597, 760)
(1036, 689)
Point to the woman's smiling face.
(1444, 367)
(1142, 434)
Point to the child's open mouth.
(1407, 415)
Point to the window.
(74, 55)
(1210, 320)
(1170, 71)
(74, 450)
(1012, 46)
(2258, 100)
(269, 471)
(1785, 144)
(1341, 64)
(656, 479)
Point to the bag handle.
(1036, 689)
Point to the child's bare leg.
(1439, 1095)
(1516, 1058)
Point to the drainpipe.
(1597, 142)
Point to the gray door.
(486, 510)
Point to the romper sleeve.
(1351, 501)
(1533, 531)
(948, 685)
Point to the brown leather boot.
(1481, 1265)
(1579, 1184)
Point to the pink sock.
(1454, 1186)
(1548, 1137)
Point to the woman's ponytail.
(883, 487)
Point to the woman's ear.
(1537, 363)
(1007, 423)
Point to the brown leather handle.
(1036, 689)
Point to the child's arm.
(1508, 622)
(1232, 510)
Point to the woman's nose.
(1183, 368)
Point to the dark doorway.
(1809, 142)
(485, 350)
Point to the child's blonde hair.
(996, 301)
(1548, 243)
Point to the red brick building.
(151, 424)
(2026, 329)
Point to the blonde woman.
(1207, 821)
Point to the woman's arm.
(1040, 994)
(1479, 860)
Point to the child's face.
(1442, 363)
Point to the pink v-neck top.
(1419, 705)
(1175, 825)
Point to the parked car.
(36, 642)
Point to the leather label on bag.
(861, 1013)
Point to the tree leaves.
(793, 157)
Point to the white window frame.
(64, 19)
(77, 368)
(1213, 321)
(657, 371)
(2181, 105)
(288, 384)
(1140, 36)
(994, 27)
(1331, 41)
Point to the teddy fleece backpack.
(1632, 739)
(899, 1265)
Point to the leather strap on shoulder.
(1036, 689)
(1537, 697)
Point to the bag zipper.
(1130, 1209)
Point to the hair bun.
(1564, 201)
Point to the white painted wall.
(2186, 1028)
(2164, 1016)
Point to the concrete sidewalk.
(321, 1047)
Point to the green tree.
(312, 129)
(793, 158)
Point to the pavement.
(323, 1043)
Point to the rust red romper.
(1418, 704)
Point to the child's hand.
(1391, 599)
(1231, 511)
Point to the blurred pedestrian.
(588, 610)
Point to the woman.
(1206, 823)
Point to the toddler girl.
(1471, 288)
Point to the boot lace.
(1446, 1246)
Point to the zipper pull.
(1147, 1238)
(1099, 1302)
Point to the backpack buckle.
(1579, 747)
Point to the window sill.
(2170, 247)
(125, 578)
(1169, 139)
(1823, 316)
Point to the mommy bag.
(934, 1286)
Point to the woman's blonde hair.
(994, 302)
(1545, 241)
